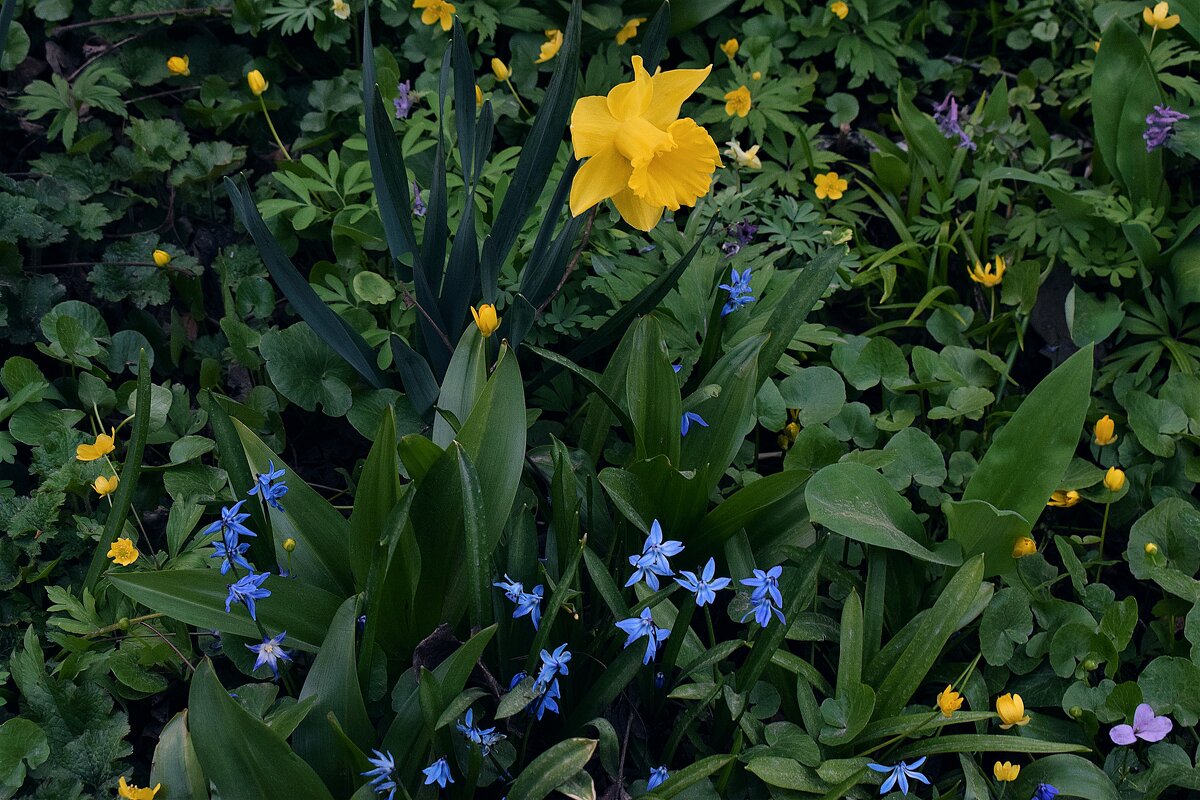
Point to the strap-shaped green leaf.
(415, 376)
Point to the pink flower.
(1146, 726)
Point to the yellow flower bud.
(756, 75)
(105, 486)
(257, 83)
(1024, 547)
(289, 544)
(162, 258)
(478, 96)
(179, 65)
(500, 70)
(949, 701)
(1151, 549)
(1114, 479)
(1105, 431)
(1006, 772)
(1011, 709)
(486, 319)
(730, 48)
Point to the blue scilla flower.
(516, 679)
(269, 485)
(689, 419)
(1044, 791)
(553, 664)
(486, 738)
(657, 776)
(382, 774)
(739, 292)
(677, 367)
(438, 772)
(270, 652)
(766, 582)
(704, 587)
(643, 626)
(900, 775)
(530, 603)
(653, 559)
(246, 590)
(230, 524)
(232, 555)
(546, 701)
(512, 589)
(761, 609)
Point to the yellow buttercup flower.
(744, 158)
(1161, 18)
(639, 152)
(1096, 46)
(486, 319)
(179, 65)
(1061, 499)
(1006, 772)
(162, 258)
(1011, 709)
(550, 48)
(949, 701)
(131, 792)
(124, 553)
(341, 9)
(830, 186)
(986, 274)
(730, 48)
(500, 70)
(1114, 479)
(478, 96)
(737, 102)
(97, 449)
(839, 9)
(257, 83)
(1105, 431)
(756, 75)
(629, 30)
(1150, 549)
(105, 486)
(436, 12)
(289, 544)
(1024, 547)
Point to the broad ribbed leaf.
(552, 768)
(787, 317)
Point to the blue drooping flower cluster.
(403, 100)
(382, 774)
(1160, 126)
(739, 291)
(270, 486)
(766, 597)
(527, 603)
(946, 117)
(438, 772)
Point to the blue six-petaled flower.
(657, 776)
(526, 602)
(1044, 791)
(704, 587)
(486, 738)
(246, 590)
(269, 652)
(382, 776)
(643, 626)
(900, 775)
(230, 524)
(766, 582)
(546, 701)
(553, 664)
(652, 562)
(268, 484)
(438, 772)
(739, 292)
(689, 419)
(232, 552)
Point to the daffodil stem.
(513, 89)
(1103, 532)
(271, 125)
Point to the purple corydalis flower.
(1160, 125)
(418, 205)
(403, 101)
(946, 117)
(743, 232)
(1146, 726)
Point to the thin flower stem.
(513, 89)
(271, 125)
(712, 636)
(170, 644)
(1103, 532)
(117, 626)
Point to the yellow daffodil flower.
(839, 9)
(1161, 18)
(744, 158)
(730, 48)
(97, 449)
(639, 152)
(629, 30)
(1011, 709)
(1105, 431)
(949, 701)
(131, 792)
(986, 274)
(257, 83)
(550, 48)
(1114, 479)
(1024, 547)
(105, 486)
(162, 258)
(830, 186)
(124, 553)
(500, 70)
(486, 319)
(737, 102)
(1061, 499)
(478, 96)
(436, 12)
(179, 65)
(341, 9)
(1006, 772)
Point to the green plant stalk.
(271, 125)
(1103, 532)
(513, 89)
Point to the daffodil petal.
(593, 128)
(632, 99)
(671, 89)
(676, 176)
(601, 176)
(637, 212)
